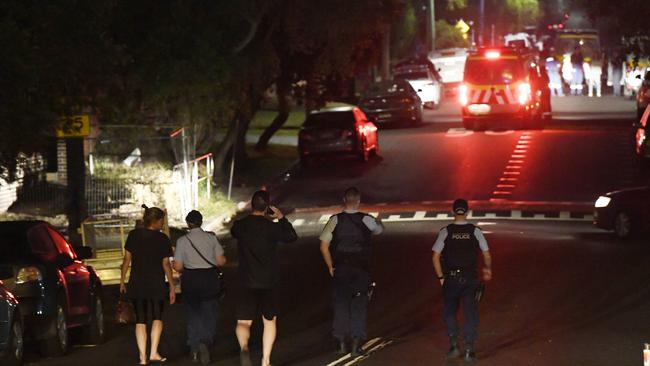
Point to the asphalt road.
(564, 293)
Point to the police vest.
(351, 239)
(461, 249)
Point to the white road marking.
(369, 352)
(498, 133)
(365, 347)
(419, 214)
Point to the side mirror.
(6, 272)
(439, 69)
(63, 260)
(638, 77)
(84, 252)
(419, 90)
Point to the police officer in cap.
(345, 246)
(455, 260)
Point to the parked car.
(423, 77)
(626, 211)
(643, 96)
(642, 133)
(393, 102)
(56, 291)
(341, 130)
(11, 325)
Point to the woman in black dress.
(147, 251)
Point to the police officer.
(198, 256)
(345, 246)
(455, 261)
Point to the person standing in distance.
(198, 256)
(455, 261)
(345, 246)
(257, 240)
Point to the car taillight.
(407, 100)
(462, 95)
(306, 136)
(28, 274)
(524, 93)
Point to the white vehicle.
(424, 79)
(450, 63)
(519, 40)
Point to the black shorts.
(147, 310)
(254, 301)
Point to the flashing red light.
(549, 27)
(561, 26)
(463, 95)
(492, 54)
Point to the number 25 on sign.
(73, 126)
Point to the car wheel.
(59, 343)
(15, 344)
(468, 125)
(94, 331)
(623, 227)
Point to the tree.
(324, 39)
(525, 12)
(622, 18)
(448, 35)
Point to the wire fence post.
(232, 161)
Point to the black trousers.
(456, 291)
(350, 295)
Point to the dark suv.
(56, 291)
(11, 326)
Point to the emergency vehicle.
(501, 86)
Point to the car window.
(41, 243)
(13, 244)
(418, 75)
(331, 120)
(504, 71)
(61, 244)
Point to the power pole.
(431, 26)
(481, 24)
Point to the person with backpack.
(198, 257)
(347, 252)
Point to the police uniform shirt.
(328, 231)
(442, 236)
(206, 242)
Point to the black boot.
(356, 347)
(341, 347)
(453, 352)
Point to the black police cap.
(460, 206)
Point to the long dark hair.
(151, 215)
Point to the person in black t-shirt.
(147, 251)
(257, 239)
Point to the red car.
(56, 291)
(340, 130)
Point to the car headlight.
(602, 201)
(28, 274)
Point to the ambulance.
(501, 88)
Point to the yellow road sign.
(73, 126)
